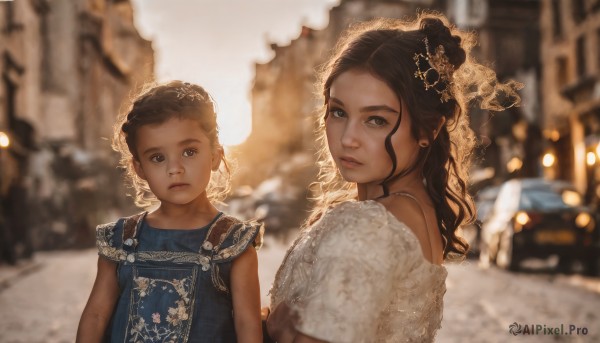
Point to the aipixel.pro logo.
(542, 329)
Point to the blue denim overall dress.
(174, 283)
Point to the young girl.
(393, 187)
(184, 272)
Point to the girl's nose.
(175, 167)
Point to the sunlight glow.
(4, 140)
(590, 158)
(548, 160)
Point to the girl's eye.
(337, 113)
(189, 152)
(157, 158)
(377, 121)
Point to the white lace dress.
(358, 275)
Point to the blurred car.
(538, 218)
(484, 201)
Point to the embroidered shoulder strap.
(219, 231)
(131, 225)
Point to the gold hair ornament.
(188, 91)
(439, 64)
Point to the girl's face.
(362, 111)
(176, 159)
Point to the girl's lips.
(178, 185)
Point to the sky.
(215, 43)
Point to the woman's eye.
(189, 152)
(157, 158)
(337, 113)
(377, 121)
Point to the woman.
(392, 186)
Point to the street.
(44, 304)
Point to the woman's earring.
(423, 144)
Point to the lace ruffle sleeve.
(108, 240)
(359, 255)
(239, 236)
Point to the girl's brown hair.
(155, 104)
(395, 51)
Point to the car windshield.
(545, 199)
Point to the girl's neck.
(411, 183)
(192, 215)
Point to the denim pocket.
(161, 306)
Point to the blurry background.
(69, 66)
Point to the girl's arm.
(245, 291)
(100, 305)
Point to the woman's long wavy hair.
(155, 104)
(386, 48)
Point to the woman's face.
(362, 111)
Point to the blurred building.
(509, 42)
(67, 66)
(571, 88)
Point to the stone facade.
(571, 88)
(67, 68)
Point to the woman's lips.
(349, 162)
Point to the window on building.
(9, 103)
(562, 76)
(556, 19)
(9, 16)
(476, 9)
(595, 5)
(510, 53)
(598, 50)
(580, 53)
(578, 10)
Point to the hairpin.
(439, 64)
(187, 91)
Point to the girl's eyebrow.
(189, 141)
(373, 108)
(183, 142)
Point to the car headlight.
(521, 219)
(585, 221)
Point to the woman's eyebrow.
(375, 108)
(372, 108)
(336, 100)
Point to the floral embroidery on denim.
(159, 324)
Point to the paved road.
(480, 305)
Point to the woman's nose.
(350, 135)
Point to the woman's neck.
(411, 183)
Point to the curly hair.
(155, 104)
(387, 48)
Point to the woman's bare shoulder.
(406, 210)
